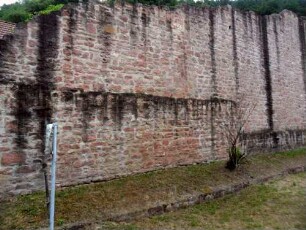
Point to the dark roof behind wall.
(6, 28)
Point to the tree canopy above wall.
(24, 11)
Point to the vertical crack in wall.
(235, 54)
(267, 73)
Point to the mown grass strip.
(278, 204)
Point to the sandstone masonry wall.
(137, 88)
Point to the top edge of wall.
(21, 26)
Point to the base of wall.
(273, 141)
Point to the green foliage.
(24, 11)
(265, 7)
(168, 3)
(235, 157)
(15, 13)
(34, 6)
(51, 8)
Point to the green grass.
(99, 201)
(273, 205)
(291, 153)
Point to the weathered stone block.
(12, 159)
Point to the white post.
(53, 176)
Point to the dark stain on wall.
(72, 21)
(133, 24)
(212, 50)
(183, 68)
(212, 131)
(3, 55)
(187, 19)
(256, 141)
(117, 107)
(105, 105)
(267, 72)
(250, 20)
(135, 107)
(33, 100)
(105, 27)
(145, 20)
(169, 28)
(87, 103)
(185, 105)
(22, 113)
(124, 103)
(47, 55)
(118, 104)
(213, 78)
(31, 105)
(6, 56)
(276, 40)
(48, 49)
(245, 21)
(67, 96)
(303, 47)
(235, 54)
(263, 141)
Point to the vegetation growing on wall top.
(24, 11)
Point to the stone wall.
(137, 88)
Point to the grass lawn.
(279, 204)
(257, 206)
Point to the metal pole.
(44, 167)
(53, 177)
